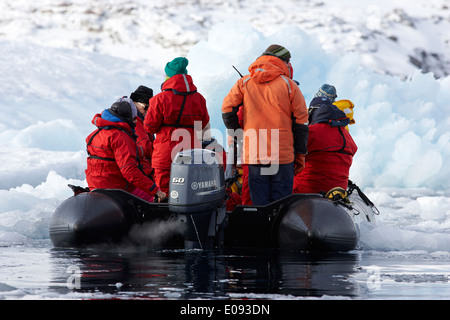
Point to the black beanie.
(142, 94)
(122, 110)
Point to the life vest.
(177, 106)
(113, 158)
(330, 152)
(140, 166)
(347, 107)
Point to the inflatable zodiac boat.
(196, 206)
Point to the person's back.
(274, 123)
(112, 153)
(330, 150)
(268, 107)
(172, 115)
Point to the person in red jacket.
(113, 160)
(242, 184)
(140, 98)
(176, 115)
(330, 150)
(143, 140)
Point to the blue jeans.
(265, 189)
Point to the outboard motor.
(197, 196)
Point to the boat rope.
(352, 186)
(196, 232)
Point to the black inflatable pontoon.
(196, 207)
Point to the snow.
(64, 61)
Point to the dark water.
(39, 271)
(179, 274)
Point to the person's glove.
(299, 163)
(160, 196)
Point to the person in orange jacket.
(177, 113)
(113, 161)
(275, 124)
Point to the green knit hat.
(278, 51)
(176, 66)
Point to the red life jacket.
(113, 161)
(177, 107)
(145, 144)
(330, 155)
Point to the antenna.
(237, 71)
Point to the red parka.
(177, 107)
(112, 161)
(145, 143)
(330, 153)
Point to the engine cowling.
(197, 195)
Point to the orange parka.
(275, 116)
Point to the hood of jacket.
(107, 119)
(267, 68)
(324, 111)
(180, 83)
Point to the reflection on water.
(192, 274)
